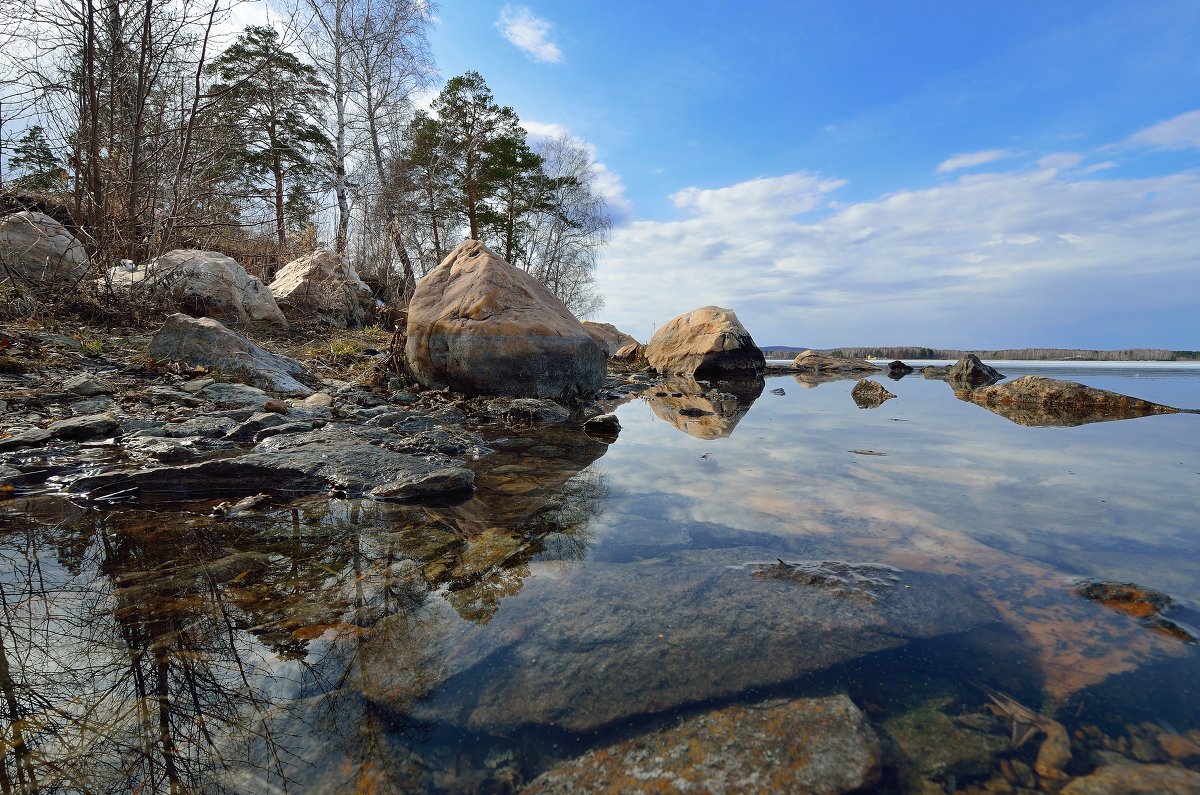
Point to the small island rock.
(480, 326)
(824, 363)
(707, 342)
(1038, 401)
(868, 394)
(970, 372)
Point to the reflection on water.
(588, 593)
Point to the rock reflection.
(283, 651)
(1040, 402)
(701, 410)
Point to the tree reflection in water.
(145, 652)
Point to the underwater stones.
(868, 394)
(938, 746)
(480, 326)
(709, 342)
(812, 745)
(1138, 601)
(205, 341)
(1135, 780)
(1037, 401)
(969, 372)
(654, 638)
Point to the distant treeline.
(1047, 354)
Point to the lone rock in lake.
(709, 342)
(480, 326)
(1037, 401)
(868, 394)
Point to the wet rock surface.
(709, 342)
(1038, 401)
(709, 638)
(1140, 602)
(969, 372)
(1136, 780)
(706, 411)
(480, 326)
(814, 745)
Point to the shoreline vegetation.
(1023, 354)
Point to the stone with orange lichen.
(818, 745)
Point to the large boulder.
(480, 326)
(36, 250)
(969, 372)
(322, 284)
(203, 283)
(709, 342)
(609, 336)
(205, 341)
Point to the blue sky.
(961, 174)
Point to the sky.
(860, 172)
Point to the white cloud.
(605, 181)
(528, 33)
(1181, 132)
(1107, 164)
(972, 159)
(1014, 258)
(1060, 160)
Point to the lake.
(923, 558)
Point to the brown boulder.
(324, 285)
(970, 372)
(815, 745)
(632, 356)
(812, 361)
(868, 394)
(1038, 401)
(480, 326)
(706, 343)
(610, 338)
(36, 250)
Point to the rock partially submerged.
(868, 394)
(898, 369)
(205, 341)
(1038, 401)
(812, 745)
(812, 361)
(969, 372)
(609, 337)
(203, 283)
(1142, 603)
(480, 326)
(37, 251)
(709, 342)
(323, 285)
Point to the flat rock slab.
(615, 641)
(1037, 401)
(204, 341)
(335, 457)
(817, 745)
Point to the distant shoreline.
(1027, 354)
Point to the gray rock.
(196, 384)
(88, 385)
(8, 476)
(29, 438)
(88, 426)
(37, 251)
(166, 450)
(605, 427)
(969, 372)
(323, 285)
(287, 427)
(204, 282)
(208, 426)
(816, 745)
(653, 638)
(235, 396)
(250, 429)
(205, 341)
(528, 410)
(348, 459)
(95, 405)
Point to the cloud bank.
(971, 159)
(1044, 255)
(528, 33)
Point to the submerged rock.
(867, 580)
(868, 394)
(812, 745)
(1136, 780)
(480, 326)
(969, 372)
(654, 638)
(1137, 601)
(1037, 401)
(205, 341)
(707, 342)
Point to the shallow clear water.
(588, 594)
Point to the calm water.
(587, 594)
